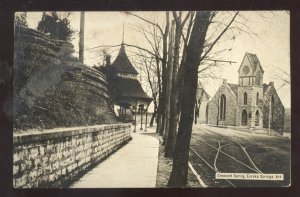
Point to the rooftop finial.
(123, 35)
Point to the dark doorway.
(206, 114)
(257, 118)
(244, 117)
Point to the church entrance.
(257, 118)
(244, 117)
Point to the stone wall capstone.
(57, 157)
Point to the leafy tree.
(20, 19)
(57, 27)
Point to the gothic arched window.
(257, 118)
(223, 107)
(257, 97)
(245, 98)
(244, 117)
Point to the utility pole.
(81, 37)
(270, 108)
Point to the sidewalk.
(134, 165)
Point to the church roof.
(201, 89)
(254, 61)
(234, 88)
(122, 63)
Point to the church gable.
(222, 107)
(270, 91)
(272, 99)
(250, 65)
(250, 71)
(226, 89)
(202, 94)
(246, 68)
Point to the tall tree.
(160, 53)
(188, 86)
(174, 83)
(20, 19)
(147, 67)
(195, 47)
(57, 27)
(169, 81)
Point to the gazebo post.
(125, 114)
(146, 119)
(141, 108)
(135, 116)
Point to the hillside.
(52, 89)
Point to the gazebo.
(125, 89)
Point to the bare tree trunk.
(159, 96)
(218, 117)
(196, 113)
(152, 118)
(218, 107)
(162, 92)
(195, 47)
(170, 141)
(198, 105)
(164, 75)
(169, 83)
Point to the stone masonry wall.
(277, 111)
(231, 103)
(251, 106)
(57, 157)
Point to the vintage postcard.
(151, 99)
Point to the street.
(215, 149)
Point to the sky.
(271, 42)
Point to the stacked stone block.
(231, 106)
(57, 158)
(251, 106)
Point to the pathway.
(132, 166)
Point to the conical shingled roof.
(122, 63)
(128, 90)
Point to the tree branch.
(155, 24)
(221, 34)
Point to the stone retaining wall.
(57, 157)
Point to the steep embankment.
(52, 89)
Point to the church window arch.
(245, 98)
(257, 118)
(244, 117)
(223, 107)
(257, 98)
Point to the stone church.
(201, 106)
(250, 103)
